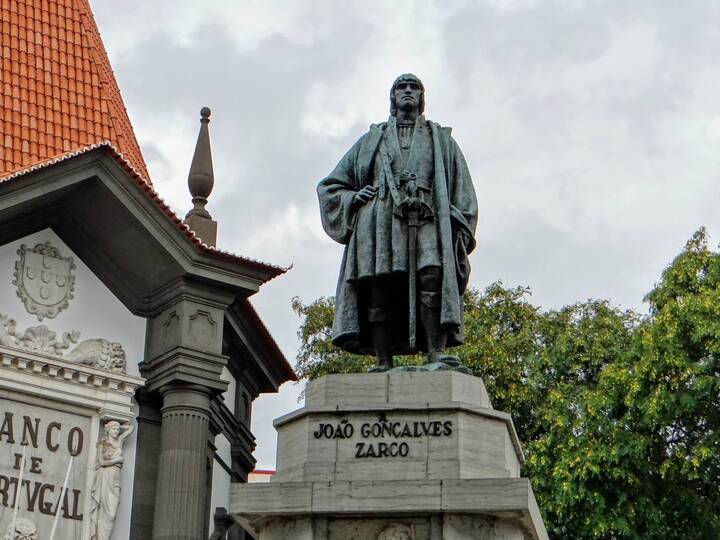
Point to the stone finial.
(201, 178)
(201, 181)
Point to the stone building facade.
(130, 353)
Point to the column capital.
(185, 397)
(185, 367)
(184, 342)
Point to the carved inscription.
(46, 441)
(383, 438)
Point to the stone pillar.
(182, 479)
(146, 464)
(183, 363)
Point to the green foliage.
(619, 413)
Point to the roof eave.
(264, 271)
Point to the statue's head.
(112, 429)
(407, 90)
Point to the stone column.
(146, 464)
(182, 479)
(183, 363)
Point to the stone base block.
(393, 456)
(396, 426)
(396, 388)
(431, 510)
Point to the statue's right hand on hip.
(363, 196)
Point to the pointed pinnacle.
(201, 178)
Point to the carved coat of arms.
(44, 280)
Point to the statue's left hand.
(462, 264)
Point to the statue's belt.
(407, 178)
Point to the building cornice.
(107, 392)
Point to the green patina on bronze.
(402, 202)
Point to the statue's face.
(113, 431)
(407, 95)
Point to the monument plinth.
(408, 455)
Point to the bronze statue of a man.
(403, 203)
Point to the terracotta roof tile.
(59, 91)
(60, 99)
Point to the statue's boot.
(384, 359)
(435, 335)
(441, 356)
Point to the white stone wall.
(96, 313)
(229, 394)
(221, 479)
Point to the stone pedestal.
(388, 456)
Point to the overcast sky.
(592, 130)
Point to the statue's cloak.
(455, 207)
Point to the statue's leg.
(377, 317)
(429, 283)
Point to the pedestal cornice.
(504, 498)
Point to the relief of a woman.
(105, 492)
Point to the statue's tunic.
(376, 236)
(386, 251)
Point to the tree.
(619, 413)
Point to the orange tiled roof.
(59, 93)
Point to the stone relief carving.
(105, 494)
(203, 327)
(170, 327)
(43, 340)
(397, 531)
(44, 279)
(7, 331)
(24, 530)
(99, 353)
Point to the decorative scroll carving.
(44, 279)
(397, 531)
(99, 353)
(105, 492)
(24, 530)
(43, 340)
